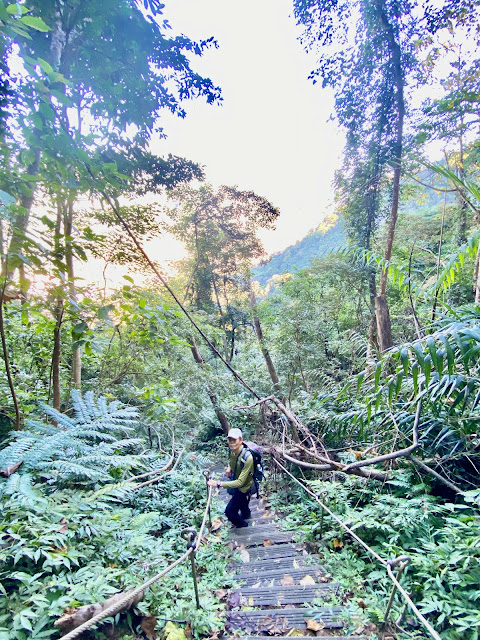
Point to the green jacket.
(243, 477)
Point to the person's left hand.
(212, 483)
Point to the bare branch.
(440, 478)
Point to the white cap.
(235, 433)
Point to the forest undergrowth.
(74, 533)
(361, 371)
(440, 534)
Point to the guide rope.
(138, 591)
(388, 564)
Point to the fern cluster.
(89, 447)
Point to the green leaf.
(398, 385)
(35, 23)
(16, 9)
(79, 328)
(405, 360)
(360, 379)
(415, 377)
(129, 279)
(44, 65)
(103, 312)
(427, 369)
(378, 373)
(417, 349)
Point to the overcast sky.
(271, 134)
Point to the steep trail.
(281, 584)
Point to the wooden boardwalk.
(282, 586)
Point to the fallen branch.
(151, 473)
(440, 478)
(159, 477)
(373, 474)
(74, 618)
(394, 454)
(157, 471)
(6, 473)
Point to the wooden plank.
(277, 596)
(258, 538)
(276, 551)
(265, 564)
(292, 562)
(273, 577)
(274, 621)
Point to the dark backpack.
(258, 471)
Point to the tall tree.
(369, 81)
(368, 55)
(97, 76)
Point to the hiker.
(241, 470)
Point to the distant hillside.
(326, 237)
(418, 200)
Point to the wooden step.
(260, 519)
(285, 550)
(257, 536)
(304, 637)
(274, 621)
(277, 596)
(258, 566)
(273, 577)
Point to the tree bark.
(7, 361)
(68, 230)
(59, 308)
(266, 355)
(384, 326)
(477, 276)
(20, 223)
(197, 356)
(56, 354)
(381, 306)
(57, 46)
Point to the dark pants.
(237, 510)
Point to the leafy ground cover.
(68, 539)
(442, 539)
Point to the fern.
(85, 447)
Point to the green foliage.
(299, 256)
(442, 541)
(65, 544)
(76, 448)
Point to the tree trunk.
(266, 355)
(20, 223)
(57, 46)
(197, 356)
(56, 354)
(68, 229)
(7, 361)
(381, 306)
(384, 327)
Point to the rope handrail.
(386, 563)
(131, 595)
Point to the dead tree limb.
(394, 454)
(421, 465)
(373, 474)
(159, 477)
(70, 621)
(6, 473)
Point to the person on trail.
(240, 469)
